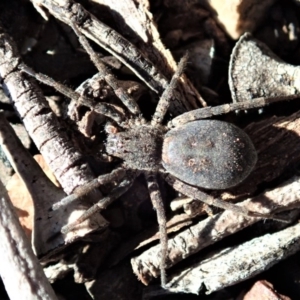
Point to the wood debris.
(25, 277)
(142, 40)
(235, 264)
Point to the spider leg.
(196, 194)
(115, 176)
(105, 109)
(103, 203)
(165, 99)
(210, 111)
(126, 99)
(158, 205)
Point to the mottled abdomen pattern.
(209, 153)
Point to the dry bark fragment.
(21, 198)
(270, 138)
(46, 236)
(255, 71)
(20, 270)
(50, 138)
(210, 230)
(238, 263)
(117, 45)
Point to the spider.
(190, 153)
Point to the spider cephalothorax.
(140, 147)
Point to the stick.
(211, 230)
(20, 270)
(236, 264)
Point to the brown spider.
(189, 152)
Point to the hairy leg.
(196, 194)
(103, 203)
(127, 100)
(158, 205)
(166, 97)
(208, 112)
(115, 176)
(105, 109)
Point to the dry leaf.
(21, 198)
(255, 71)
(238, 16)
(264, 290)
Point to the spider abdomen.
(209, 153)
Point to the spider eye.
(209, 153)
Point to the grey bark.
(63, 158)
(211, 230)
(236, 264)
(20, 270)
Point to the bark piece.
(20, 270)
(46, 237)
(270, 138)
(58, 271)
(21, 198)
(63, 158)
(236, 264)
(257, 72)
(211, 230)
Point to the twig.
(207, 232)
(20, 270)
(40, 122)
(69, 11)
(67, 164)
(233, 265)
(140, 22)
(47, 224)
